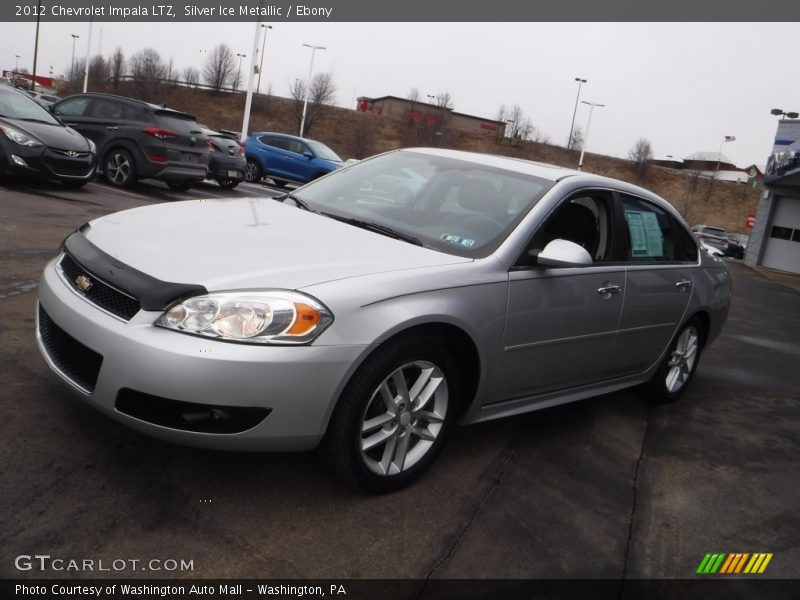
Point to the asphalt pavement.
(610, 487)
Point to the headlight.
(23, 139)
(278, 317)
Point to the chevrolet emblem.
(83, 283)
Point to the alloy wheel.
(682, 359)
(403, 418)
(118, 168)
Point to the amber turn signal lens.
(307, 318)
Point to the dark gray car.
(137, 140)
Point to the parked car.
(718, 238)
(137, 140)
(368, 329)
(226, 162)
(287, 158)
(35, 144)
(44, 98)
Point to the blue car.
(284, 158)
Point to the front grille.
(188, 416)
(79, 364)
(99, 293)
(68, 168)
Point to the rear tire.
(119, 168)
(394, 415)
(227, 183)
(179, 185)
(679, 365)
(279, 183)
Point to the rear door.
(660, 258)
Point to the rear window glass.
(177, 122)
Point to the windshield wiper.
(376, 227)
(300, 203)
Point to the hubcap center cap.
(405, 419)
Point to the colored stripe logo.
(734, 563)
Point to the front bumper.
(53, 164)
(299, 384)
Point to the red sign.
(751, 220)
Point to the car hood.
(54, 136)
(251, 243)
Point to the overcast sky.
(682, 86)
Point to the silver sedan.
(342, 318)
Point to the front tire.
(253, 174)
(679, 365)
(119, 169)
(394, 415)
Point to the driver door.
(562, 321)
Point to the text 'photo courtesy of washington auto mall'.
(362, 301)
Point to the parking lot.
(607, 488)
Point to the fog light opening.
(19, 160)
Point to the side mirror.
(308, 155)
(563, 253)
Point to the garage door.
(782, 250)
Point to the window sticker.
(458, 240)
(646, 237)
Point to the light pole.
(239, 72)
(588, 125)
(431, 98)
(72, 62)
(779, 111)
(574, 111)
(16, 67)
(308, 84)
(261, 64)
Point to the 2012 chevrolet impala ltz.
(368, 318)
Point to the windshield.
(322, 151)
(14, 105)
(455, 206)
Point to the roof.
(709, 157)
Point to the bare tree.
(576, 139)
(148, 72)
(99, 71)
(641, 154)
(444, 100)
(76, 71)
(191, 77)
(117, 66)
(412, 114)
(219, 69)
(321, 96)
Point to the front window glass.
(322, 151)
(456, 206)
(74, 107)
(14, 105)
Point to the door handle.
(113, 128)
(607, 290)
(683, 285)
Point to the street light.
(261, 64)
(432, 98)
(72, 62)
(16, 68)
(586, 135)
(575, 110)
(308, 84)
(779, 111)
(239, 72)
